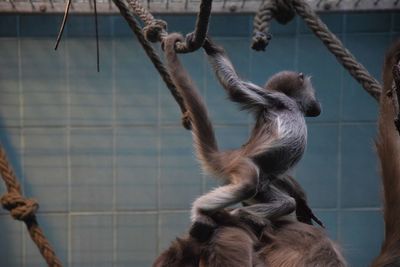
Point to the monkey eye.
(301, 76)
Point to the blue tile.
(10, 243)
(9, 83)
(172, 225)
(194, 64)
(39, 25)
(91, 169)
(334, 21)
(330, 221)
(45, 166)
(361, 236)
(91, 241)
(180, 23)
(136, 83)
(327, 80)
(84, 26)
(180, 176)
(277, 29)
(121, 28)
(221, 109)
(361, 22)
(396, 21)
(232, 25)
(360, 180)
(136, 240)
(136, 168)
(317, 171)
(8, 25)
(55, 227)
(278, 56)
(232, 137)
(90, 91)
(44, 83)
(369, 49)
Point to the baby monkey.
(276, 143)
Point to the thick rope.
(277, 9)
(335, 46)
(24, 210)
(155, 30)
(155, 59)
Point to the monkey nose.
(313, 110)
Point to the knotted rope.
(24, 210)
(155, 29)
(278, 9)
(271, 8)
(151, 53)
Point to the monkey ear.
(301, 76)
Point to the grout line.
(21, 133)
(114, 156)
(296, 44)
(339, 148)
(158, 179)
(172, 211)
(171, 125)
(69, 170)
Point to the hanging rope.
(155, 59)
(23, 209)
(335, 46)
(277, 9)
(155, 29)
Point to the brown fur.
(285, 244)
(388, 148)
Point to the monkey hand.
(202, 228)
(211, 48)
(168, 43)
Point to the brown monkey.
(388, 148)
(285, 243)
(276, 144)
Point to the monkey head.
(298, 87)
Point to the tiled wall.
(113, 170)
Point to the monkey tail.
(388, 148)
(205, 142)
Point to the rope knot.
(260, 40)
(20, 208)
(283, 11)
(155, 30)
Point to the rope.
(277, 9)
(24, 210)
(335, 46)
(155, 59)
(156, 30)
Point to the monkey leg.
(244, 181)
(280, 204)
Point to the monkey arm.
(249, 95)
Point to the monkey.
(276, 144)
(234, 243)
(388, 149)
